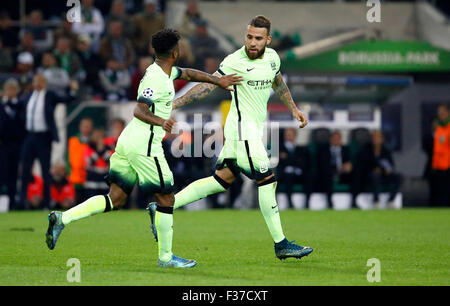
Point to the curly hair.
(164, 41)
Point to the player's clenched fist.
(300, 117)
(168, 125)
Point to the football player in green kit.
(244, 150)
(139, 156)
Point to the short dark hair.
(164, 41)
(446, 106)
(261, 21)
(119, 120)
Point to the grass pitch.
(232, 248)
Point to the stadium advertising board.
(375, 56)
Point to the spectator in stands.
(12, 132)
(6, 60)
(114, 82)
(8, 34)
(211, 65)
(281, 42)
(146, 23)
(90, 62)
(27, 45)
(57, 78)
(97, 156)
(35, 193)
(43, 36)
(39, 107)
(25, 70)
(92, 23)
(76, 146)
(375, 168)
(144, 62)
(115, 47)
(440, 162)
(188, 22)
(205, 45)
(294, 164)
(117, 126)
(187, 58)
(26, 55)
(118, 13)
(62, 192)
(65, 30)
(67, 59)
(334, 165)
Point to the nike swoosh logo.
(274, 206)
(248, 70)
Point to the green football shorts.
(152, 173)
(246, 156)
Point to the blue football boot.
(151, 209)
(55, 227)
(177, 262)
(286, 249)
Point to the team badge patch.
(263, 168)
(147, 93)
(273, 65)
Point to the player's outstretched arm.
(142, 112)
(193, 75)
(283, 92)
(195, 93)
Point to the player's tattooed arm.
(283, 92)
(193, 75)
(142, 112)
(195, 93)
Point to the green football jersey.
(248, 109)
(157, 91)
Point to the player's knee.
(267, 180)
(225, 185)
(118, 201)
(166, 200)
(118, 196)
(225, 175)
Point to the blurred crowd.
(50, 60)
(104, 58)
(106, 53)
(326, 166)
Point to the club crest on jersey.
(263, 168)
(273, 65)
(147, 93)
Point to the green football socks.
(164, 227)
(199, 190)
(269, 208)
(94, 205)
